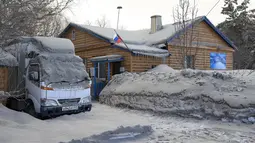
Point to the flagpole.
(121, 39)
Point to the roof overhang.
(107, 58)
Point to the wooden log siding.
(202, 33)
(88, 46)
(202, 58)
(144, 63)
(3, 78)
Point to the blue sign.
(218, 61)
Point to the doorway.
(116, 68)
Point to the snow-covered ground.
(224, 95)
(20, 127)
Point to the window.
(34, 74)
(73, 35)
(100, 70)
(189, 61)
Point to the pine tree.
(240, 28)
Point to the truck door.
(33, 84)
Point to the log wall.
(3, 79)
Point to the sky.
(136, 14)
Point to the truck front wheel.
(31, 109)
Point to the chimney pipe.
(156, 23)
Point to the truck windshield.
(58, 68)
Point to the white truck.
(54, 79)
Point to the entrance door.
(116, 68)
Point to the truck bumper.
(57, 111)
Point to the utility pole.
(119, 8)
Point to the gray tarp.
(61, 67)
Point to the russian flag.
(117, 38)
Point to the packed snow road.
(19, 127)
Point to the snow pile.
(6, 59)
(162, 68)
(188, 93)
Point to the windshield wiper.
(86, 78)
(59, 82)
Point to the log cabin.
(141, 50)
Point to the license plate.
(68, 108)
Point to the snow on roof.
(7, 59)
(145, 50)
(140, 41)
(46, 44)
(56, 44)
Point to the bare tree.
(184, 14)
(88, 22)
(102, 22)
(30, 18)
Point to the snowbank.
(190, 93)
(162, 68)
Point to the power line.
(213, 8)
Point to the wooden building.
(144, 49)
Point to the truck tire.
(30, 109)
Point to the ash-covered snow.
(102, 120)
(189, 93)
(7, 59)
(162, 68)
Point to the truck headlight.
(85, 100)
(48, 102)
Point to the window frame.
(191, 64)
